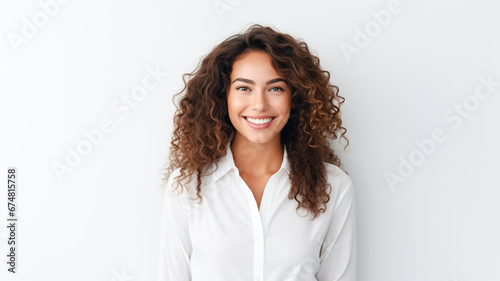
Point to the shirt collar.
(226, 163)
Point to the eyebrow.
(253, 82)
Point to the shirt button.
(259, 242)
(259, 278)
(266, 208)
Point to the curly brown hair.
(202, 129)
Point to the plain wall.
(423, 127)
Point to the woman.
(254, 191)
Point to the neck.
(257, 159)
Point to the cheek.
(235, 105)
(283, 105)
(232, 110)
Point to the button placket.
(267, 200)
(258, 233)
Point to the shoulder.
(335, 174)
(179, 197)
(183, 187)
(340, 182)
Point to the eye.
(276, 89)
(242, 88)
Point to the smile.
(259, 121)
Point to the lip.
(259, 126)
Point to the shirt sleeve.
(175, 244)
(338, 252)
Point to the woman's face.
(258, 99)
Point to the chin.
(261, 140)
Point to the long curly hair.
(202, 129)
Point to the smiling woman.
(257, 104)
(254, 191)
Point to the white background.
(102, 220)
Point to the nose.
(259, 101)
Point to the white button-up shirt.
(227, 237)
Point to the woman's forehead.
(254, 65)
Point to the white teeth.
(259, 121)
